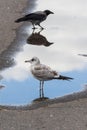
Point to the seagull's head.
(48, 12)
(34, 61)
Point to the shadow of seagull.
(37, 39)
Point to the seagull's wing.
(44, 72)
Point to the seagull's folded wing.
(44, 72)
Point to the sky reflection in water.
(67, 31)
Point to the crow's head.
(48, 12)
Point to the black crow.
(35, 18)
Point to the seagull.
(35, 18)
(44, 73)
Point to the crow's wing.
(35, 16)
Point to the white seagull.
(44, 73)
(35, 18)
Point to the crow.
(35, 18)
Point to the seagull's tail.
(20, 20)
(63, 77)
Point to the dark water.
(62, 45)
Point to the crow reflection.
(37, 39)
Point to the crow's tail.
(20, 20)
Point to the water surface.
(58, 46)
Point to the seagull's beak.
(27, 61)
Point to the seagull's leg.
(42, 88)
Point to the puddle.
(60, 45)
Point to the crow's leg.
(40, 26)
(33, 26)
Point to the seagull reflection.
(37, 39)
(40, 99)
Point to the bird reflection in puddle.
(41, 97)
(37, 39)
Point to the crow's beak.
(51, 12)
